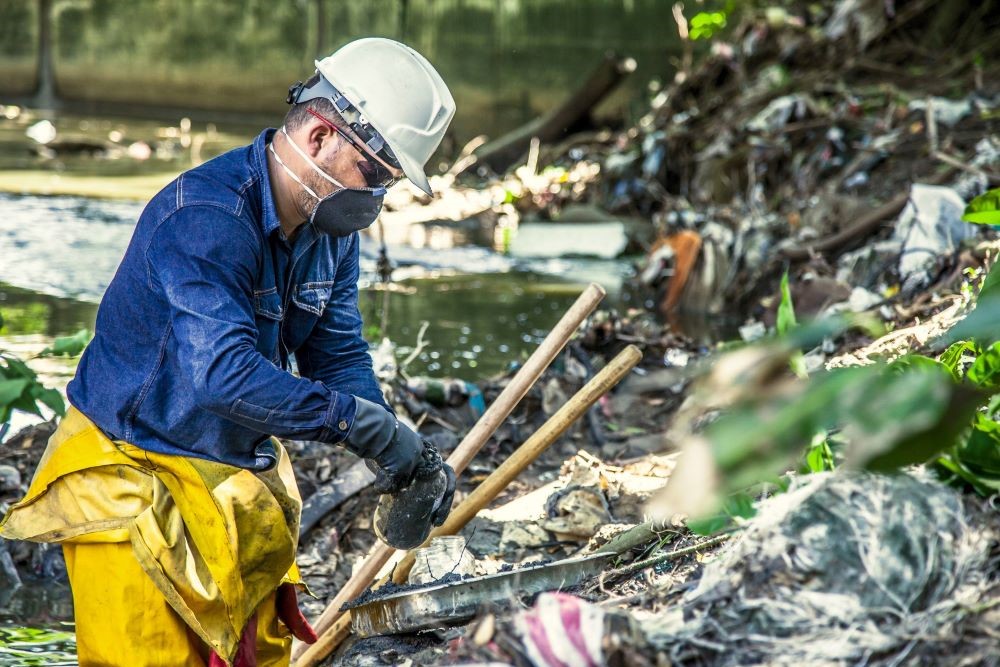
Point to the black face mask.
(343, 211)
(348, 210)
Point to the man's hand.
(392, 448)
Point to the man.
(177, 509)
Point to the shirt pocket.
(309, 301)
(268, 314)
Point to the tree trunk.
(46, 94)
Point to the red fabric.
(246, 652)
(291, 615)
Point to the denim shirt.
(195, 332)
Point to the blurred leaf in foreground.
(68, 346)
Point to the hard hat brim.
(415, 172)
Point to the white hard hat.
(391, 96)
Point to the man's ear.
(318, 136)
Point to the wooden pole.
(540, 440)
(307, 655)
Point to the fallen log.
(863, 228)
(503, 152)
(335, 492)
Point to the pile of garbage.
(842, 569)
(820, 137)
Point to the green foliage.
(984, 209)
(27, 318)
(737, 506)
(21, 390)
(68, 346)
(886, 416)
(786, 310)
(705, 25)
(819, 456)
(980, 325)
(786, 323)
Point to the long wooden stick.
(500, 478)
(307, 655)
(523, 456)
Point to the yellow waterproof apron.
(215, 540)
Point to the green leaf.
(738, 505)
(68, 346)
(709, 525)
(819, 458)
(17, 368)
(909, 362)
(890, 418)
(53, 399)
(984, 209)
(985, 370)
(907, 418)
(11, 390)
(786, 310)
(26, 403)
(952, 357)
(956, 470)
(981, 451)
(980, 325)
(991, 284)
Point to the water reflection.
(505, 60)
(35, 625)
(24, 646)
(28, 312)
(59, 254)
(477, 324)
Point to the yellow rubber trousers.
(169, 557)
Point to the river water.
(484, 310)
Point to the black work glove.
(404, 519)
(444, 504)
(393, 450)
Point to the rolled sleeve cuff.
(339, 421)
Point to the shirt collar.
(269, 220)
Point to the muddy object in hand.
(403, 520)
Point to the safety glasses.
(374, 172)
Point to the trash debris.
(929, 228)
(562, 630)
(445, 555)
(403, 520)
(838, 569)
(43, 132)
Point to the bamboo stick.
(307, 655)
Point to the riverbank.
(48, 183)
